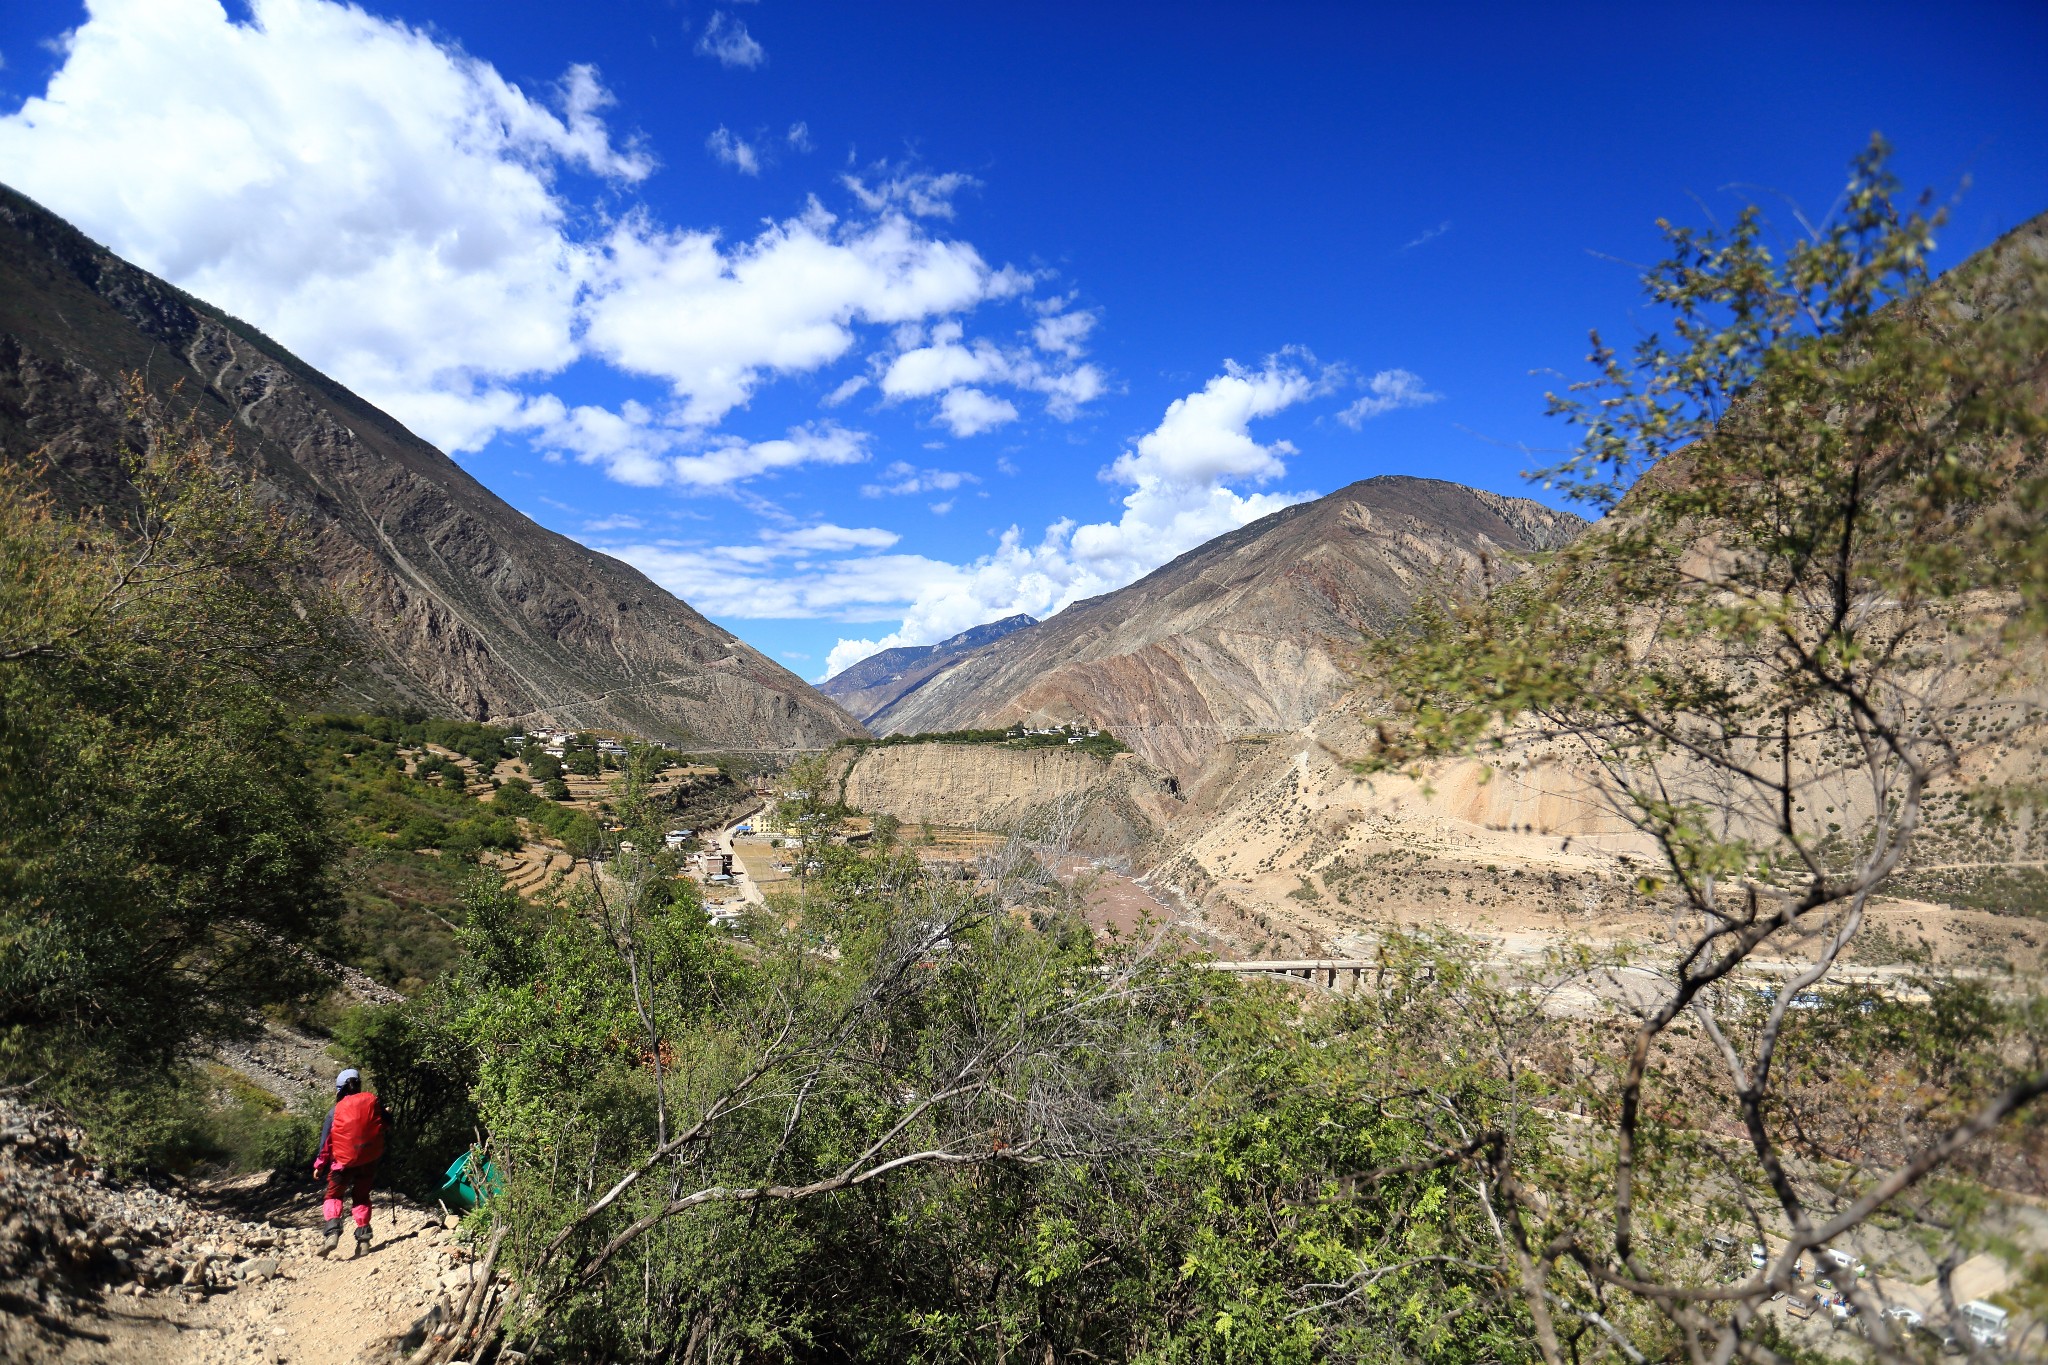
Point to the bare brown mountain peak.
(1254, 632)
(465, 607)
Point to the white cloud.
(754, 582)
(905, 479)
(636, 446)
(727, 39)
(1179, 475)
(920, 193)
(1429, 235)
(1063, 333)
(939, 509)
(1385, 392)
(969, 412)
(733, 151)
(732, 460)
(944, 364)
(392, 210)
(1206, 436)
(799, 138)
(715, 322)
(381, 203)
(845, 390)
(828, 537)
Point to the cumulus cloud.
(799, 138)
(904, 479)
(727, 39)
(1063, 333)
(1206, 436)
(732, 459)
(1385, 392)
(1179, 476)
(733, 151)
(396, 212)
(969, 411)
(639, 447)
(381, 202)
(717, 321)
(946, 365)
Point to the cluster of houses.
(557, 742)
(1073, 734)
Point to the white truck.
(1985, 1323)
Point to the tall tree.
(1822, 550)
(162, 853)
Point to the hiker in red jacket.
(351, 1143)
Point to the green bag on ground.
(471, 1180)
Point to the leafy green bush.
(162, 848)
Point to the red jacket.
(354, 1133)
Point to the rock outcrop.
(1254, 632)
(880, 680)
(1109, 805)
(465, 607)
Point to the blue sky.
(861, 324)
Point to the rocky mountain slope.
(1251, 633)
(1116, 805)
(880, 680)
(465, 607)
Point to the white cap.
(350, 1074)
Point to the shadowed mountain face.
(880, 680)
(464, 606)
(1252, 633)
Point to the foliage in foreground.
(162, 852)
(1823, 553)
(910, 1120)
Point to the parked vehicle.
(1836, 1267)
(1985, 1322)
(1758, 1257)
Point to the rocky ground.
(94, 1269)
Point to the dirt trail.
(93, 1272)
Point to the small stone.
(451, 1222)
(259, 1269)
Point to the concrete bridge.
(1326, 972)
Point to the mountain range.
(1254, 632)
(464, 606)
(881, 680)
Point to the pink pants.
(353, 1184)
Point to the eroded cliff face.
(1255, 632)
(1116, 806)
(463, 605)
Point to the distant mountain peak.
(882, 678)
(1255, 631)
(464, 606)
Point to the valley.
(1414, 902)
